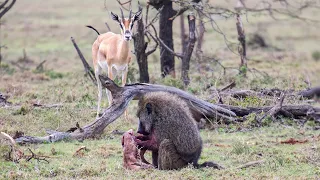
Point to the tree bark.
(166, 35)
(242, 50)
(201, 30)
(311, 93)
(296, 110)
(187, 54)
(140, 47)
(183, 35)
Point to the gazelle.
(111, 52)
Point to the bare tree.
(4, 8)
(183, 35)
(140, 47)
(165, 34)
(188, 51)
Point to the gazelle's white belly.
(103, 65)
(116, 69)
(120, 68)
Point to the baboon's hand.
(142, 137)
(148, 144)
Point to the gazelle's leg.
(124, 80)
(110, 75)
(97, 73)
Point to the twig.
(273, 111)
(109, 29)
(37, 157)
(5, 10)
(229, 86)
(163, 44)
(78, 151)
(153, 19)
(121, 4)
(250, 164)
(40, 66)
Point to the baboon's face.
(145, 115)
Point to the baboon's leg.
(155, 158)
(169, 157)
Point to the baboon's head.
(126, 24)
(146, 117)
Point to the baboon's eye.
(149, 108)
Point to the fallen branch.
(296, 110)
(310, 93)
(121, 97)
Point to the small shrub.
(170, 81)
(132, 71)
(316, 55)
(249, 101)
(6, 69)
(266, 121)
(240, 148)
(53, 74)
(23, 110)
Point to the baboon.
(169, 131)
(133, 158)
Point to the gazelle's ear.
(114, 17)
(137, 16)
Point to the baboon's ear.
(149, 108)
(114, 17)
(137, 15)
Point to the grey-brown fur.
(173, 134)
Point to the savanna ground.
(44, 28)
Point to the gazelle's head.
(126, 24)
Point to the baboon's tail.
(209, 164)
(93, 29)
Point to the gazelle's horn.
(130, 13)
(121, 14)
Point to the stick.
(86, 66)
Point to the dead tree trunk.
(242, 48)
(3, 10)
(189, 49)
(140, 47)
(201, 30)
(121, 97)
(183, 35)
(166, 35)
